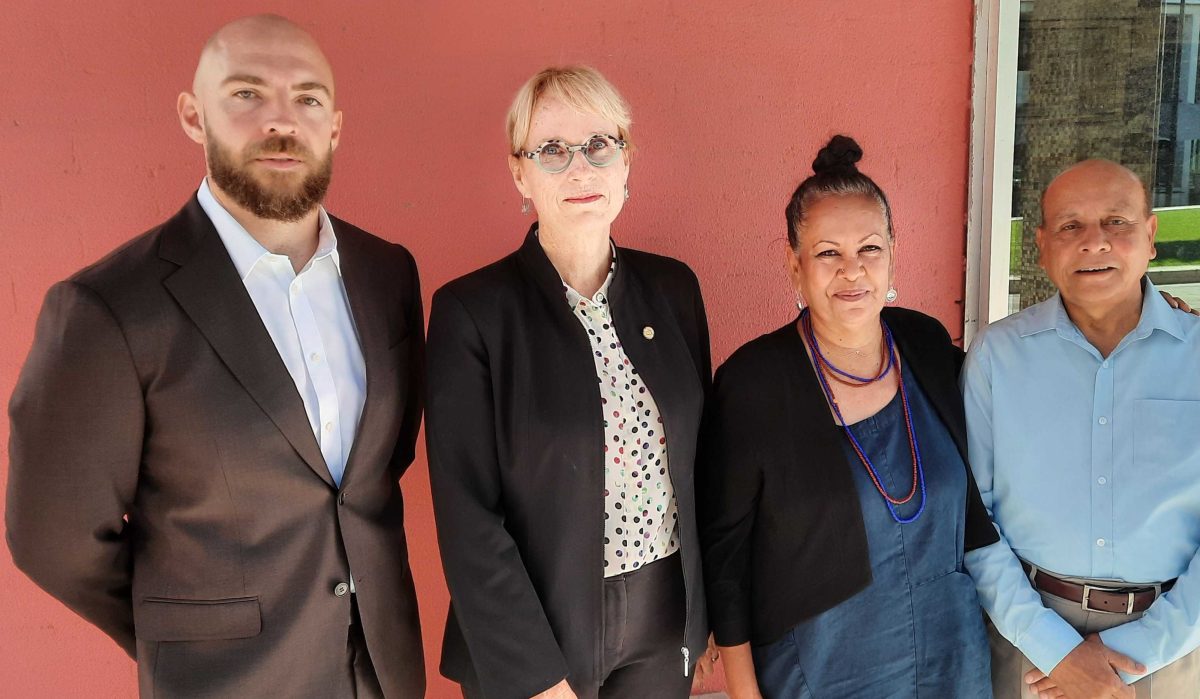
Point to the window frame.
(993, 133)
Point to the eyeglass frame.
(535, 154)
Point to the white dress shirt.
(308, 318)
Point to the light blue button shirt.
(1089, 467)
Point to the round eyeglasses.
(555, 156)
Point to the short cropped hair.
(581, 87)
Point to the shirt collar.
(1157, 314)
(600, 298)
(1051, 314)
(244, 250)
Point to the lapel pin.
(648, 332)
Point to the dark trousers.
(644, 616)
(362, 671)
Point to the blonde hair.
(581, 87)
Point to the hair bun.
(838, 157)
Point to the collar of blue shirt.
(1052, 315)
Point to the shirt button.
(1103, 421)
(341, 589)
(1100, 542)
(1101, 480)
(315, 357)
(329, 426)
(1104, 364)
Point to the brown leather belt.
(1112, 600)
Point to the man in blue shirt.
(1082, 414)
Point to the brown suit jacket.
(165, 483)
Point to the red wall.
(729, 108)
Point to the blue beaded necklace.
(823, 366)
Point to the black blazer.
(781, 524)
(165, 484)
(515, 437)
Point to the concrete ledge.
(1184, 274)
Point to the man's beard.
(279, 203)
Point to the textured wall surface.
(729, 105)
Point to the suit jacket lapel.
(366, 295)
(209, 291)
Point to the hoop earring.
(524, 206)
(891, 295)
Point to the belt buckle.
(1087, 593)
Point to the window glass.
(1115, 79)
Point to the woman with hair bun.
(834, 497)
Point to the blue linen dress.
(917, 629)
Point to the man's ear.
(190, 118)
(336, 133)
(1152, 223)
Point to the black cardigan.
(515, 435)
(781, 524)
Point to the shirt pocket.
(1164, 437)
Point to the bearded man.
(208, 433)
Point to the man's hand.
(1088, 672)
(562, 690)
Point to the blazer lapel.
(547, 286)
(653, 341)
(572, 396)
(209, 291)
(365, 294)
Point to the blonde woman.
(566, 385)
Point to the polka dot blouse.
(639, 503)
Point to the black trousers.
(644, 616)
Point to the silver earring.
(626, 191)
(799, 302)
(525, 206)
(891, 295)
